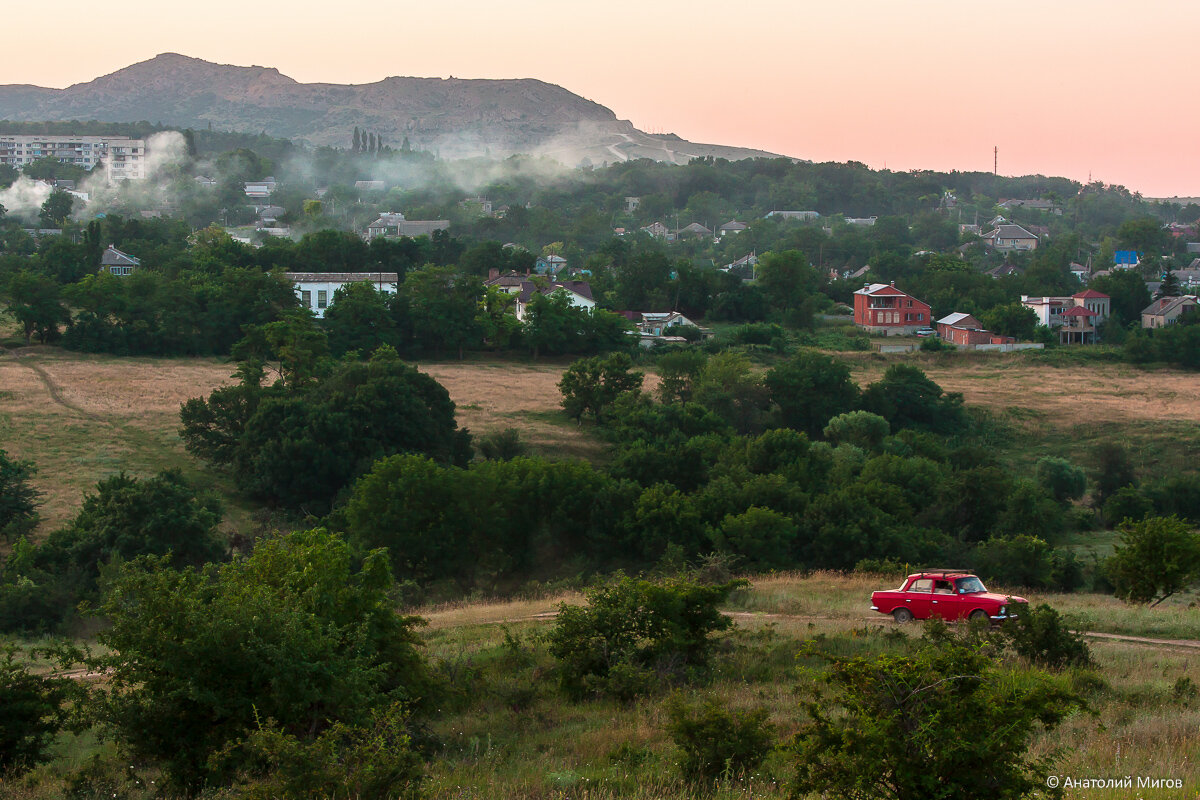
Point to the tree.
(1061, 478)
(1011, 319)
(35, 301)
(630, 629)
(591, 385)
(677, 373)
(1169, 286)
(944, 722)
(906, 398)
(1155, 558)
(360, 318)
(294, 341)
(34, 712)
(811, 389)
(18, 499)
(443, 306)
(294, 634)
(1112, 469)
(126, 518)
(57, 209)
(859, 428)
(728, 386)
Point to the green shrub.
(716, 742)
(634, 634)
(502, 445)
(1042, 636)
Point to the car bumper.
(1002, 617)
(874, 608)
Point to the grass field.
(83, 417)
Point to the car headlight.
(1003, 609)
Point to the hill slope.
(458, 118)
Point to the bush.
(1063, 479)
(1156, 558)
(1042, 636)
(34, 713)
(716, 742)
(1127, 504)
(859, 428)
(933, 344)
(633, 634)
(502, 445)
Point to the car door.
(944, 602)
(918, 598)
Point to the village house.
(694, 230)
(578, 293)
(800, 215)
(1005, 271)
(370, 186)
(658, 230)
(882, 308)
(1008, 237)
(316, 289)
(865, 222)
(743, 267)
(393, 225)
(733, 226)
(964, 330)
(1167, 310)
(1075, 317)
(114, 262)
(549, 265)
(259, 190)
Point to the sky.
(1094, 89)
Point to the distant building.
(316, 289)
(1075, 317)
(1126, 259)
(124, 158)
(743, 267)
(866, 222)
(694, 230)
(1004, 271)
(114, 262)
(370, 186)
(657, 230)
(578, 293)
(800, 215)
(631, 204)
(964, 330)
(882, 308)
(1010, 237)
(733, 226)
(259, 190)
(1167, 310)
(549, 265)
(393, 225)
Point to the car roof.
(939, 573)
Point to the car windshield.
(970, 585)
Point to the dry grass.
(83, 418)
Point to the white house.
(114, 262)
(259, 190)
(1010, 237)
(578, 293)
(316, 289)
(393, 225)
(801, 215)
(1053, 311)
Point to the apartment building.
(123, 158)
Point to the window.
(908, 303)
(306, 299)
(322, 298)
(920, 317)
(924, 585)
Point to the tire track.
(55, 391)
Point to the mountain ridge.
(457, 117)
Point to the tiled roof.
(1090, 294)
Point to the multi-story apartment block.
(123, 158)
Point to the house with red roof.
(965, 331)
(1075, 317)
(882, 308)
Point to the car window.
(922, 585)
(970, 585)
(943, 587)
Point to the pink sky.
(1062, 88)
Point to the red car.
(947, 594)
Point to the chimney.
(493, 273)
(893, 284)
(866, 286)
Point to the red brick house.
(882, 308)
(966, 331)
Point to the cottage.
(260, 190)
(695, 229)
(393, 225)
(578, 293)
(1010, 237)
(657, 230)
(1052, 311)
(800, 215)
(882, 308)
(114, 262)
(1167, 310)
(317, 289)
(550, 265)
(733, 226)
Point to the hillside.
(454, 117)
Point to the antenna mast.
(996, 160)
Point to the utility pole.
(996, 160)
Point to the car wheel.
(979, 613)
(902, 615)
